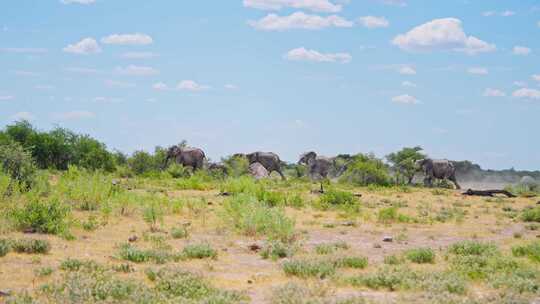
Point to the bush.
(153, 214)
(31, 246)
(236, 165)
(254, 218)
(421, 255)
(309, 268)
(532, 251)
(199, 251)
(45, 216)
(352, 262)
(142, 162)
(337, 197)
(177, 171)
(18, 164)
(472, 248)
(331, 248)
(531, 215)
(85, 190)
(179, 233)
(5, 247)
(366, 170)
(278, 250)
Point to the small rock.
(348, 224)
(250, 282)
(29, 230)
(538, 203)
(377, 246)
(255, 247)
(388, 239)
(224, 249)
(133, 238)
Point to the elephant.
(321, 166)
(318, 166)
(187, 157)
(218, 167)
(437, 169)
(269, 160)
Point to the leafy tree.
(404, 162)
(141, 162)
(364, 170)
(18, 164)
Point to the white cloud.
(536, 77)
(478, 71)
(26, 73)
(128, 39)
(78, 1)
(23, 116)
(119, 84)
(489, 92)
(83, 47)
(408, 84)
(160, 86)
(527, 93)
(190, 85)
(313, 5)
(521, 50)
(538, 24)
(405, 99)
(303, 54)
(407, 70)
(6, 97)
(23, 50)
(139, 55)
(520, 83)
(231, 87)
(299, 20)
(134, 70)
(502, 14)
(373, 22)
(441, 34)
(74, 115)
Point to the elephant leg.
(281, 174)
(453, 179)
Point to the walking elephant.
(187, 157)
(437, 169)
(318, 166)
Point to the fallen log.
(490, 193)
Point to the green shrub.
(531, 215)
(392, 260)
(90, 224)
(199, 251)
(387, 215)
(352, 262)
(309, 268)
(84, 189)
(179, 233)
(42, 216)
(366, 170)
(153, 214)
(133, 254)
(5, 247)
(390, 278)
(331, 248)
(31, 246)
(43, 271)
(472, 248)
(236, 166)
(278, 250)
(337, 197)
(253, 218)
(177, 171)
(532, 251)
(421, 255)
(18, 164)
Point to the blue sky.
(460, 78)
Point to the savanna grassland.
(81, 236)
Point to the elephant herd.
(262, 164)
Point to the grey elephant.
(321, 166)
(437, 169)
(218, 167)
(269, 160)
(187, 157)
(318, 166)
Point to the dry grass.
(423, 220)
